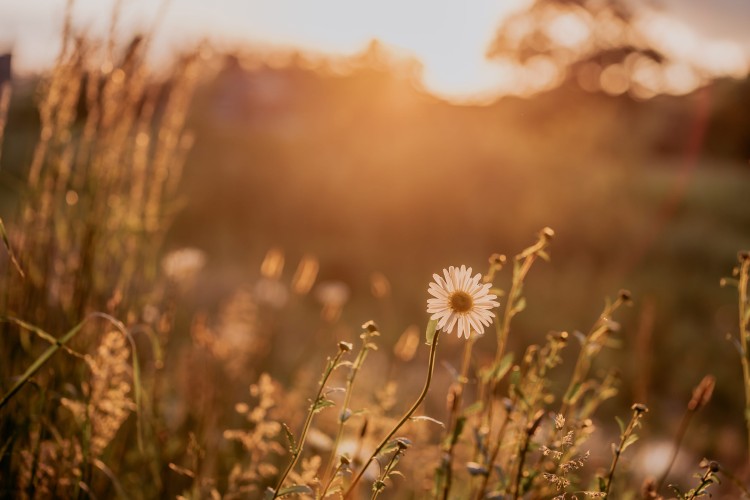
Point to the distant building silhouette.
(5, 68)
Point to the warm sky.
(448, 36)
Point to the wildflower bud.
(344, 459)
(370, 326)
(723, 282)
(547, 234)
(639, 408)
(402, 443)
(497, 260)
(743, 255)
(702, 393)
(713, 466)
(345, 346)
(563, 337)
(625, 296)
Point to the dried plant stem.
(681, 430)
(744, 318)
(706, 479)
(456, 412)
(531, 428)
(701, 396)
(637, 413)
(407, 415)
(360, 359)
(493, 457)
(583, 363)
(297, 450)
(527, 258)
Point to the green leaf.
(321, 404)
(519, 306)
(297, 489)
(572, 393)
(431, 331)
(460, 422)
(621, 425)
(515, 375)
(602, 483)
(502, 367)
(474, 408)
(630, 440)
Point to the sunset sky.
(448, 37)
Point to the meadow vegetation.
(156, 341)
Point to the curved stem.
(407, 415)
(675, 447)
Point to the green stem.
(583, 362)
(618, 451)
(407, 415)
(297, 452)
(456, 412)
(531, 428)
(328, 476)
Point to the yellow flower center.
(461, 301)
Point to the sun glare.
(449, 39)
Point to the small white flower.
(460, 300)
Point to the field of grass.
(188, 256)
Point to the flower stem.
(328, 476)
(637, 414)
(407, 415)
(744, 277)
(456, 413)
(297, 451)
(531, 428)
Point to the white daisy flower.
(462, 301)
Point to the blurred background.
(383, 142)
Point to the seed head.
(345, 346)
(547, 234)
(497, 260)
(702, 393)
(639, 408)
(403, 443)
(625, 296)
(370, 326)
